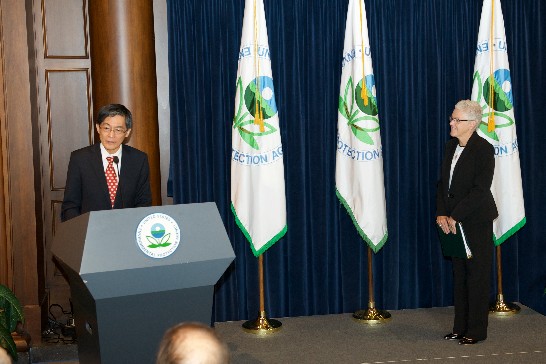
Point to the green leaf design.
(238, 117)
(165, 238)
(361, 134)
(502, 116)
(342, 107)
(343, 104)
(362, 118)
(269, 129)
(349, 91)
(477, 79)
(491, 135)
(151, 239)
(239, 120)
(162, 245)
(243, 117)
(248, 138)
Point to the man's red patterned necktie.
(111, 179)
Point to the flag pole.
(262, 325)
(371, 315)
(501, 308)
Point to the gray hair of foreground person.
(192, 343)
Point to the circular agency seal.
(158, 235)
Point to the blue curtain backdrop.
(423, 57)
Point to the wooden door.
(64, 106)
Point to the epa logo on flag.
(365, 99)
(259, 105)
(495, 90)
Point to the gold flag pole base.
(262, 325)
(371, 315)
(501, 308)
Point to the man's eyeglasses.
(457, 120)
(106, 129)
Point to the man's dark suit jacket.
(469, 199)
(86, 189)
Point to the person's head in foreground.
(192, 343)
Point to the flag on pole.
(359, 160)
(257, 169)
(492, 88)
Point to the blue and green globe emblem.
(371, 108)
(361, 118)
(265, 96)
(159, 238)
(502, 90)
(157, 230)
(158, 235)
(258, 95)
(501, 100)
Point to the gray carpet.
(410, 336)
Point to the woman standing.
(464, 195)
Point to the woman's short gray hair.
(471, 109)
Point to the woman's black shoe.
(467, 341)
(452, 336)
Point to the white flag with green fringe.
(359, 160)
(492, 88)
(257, 169)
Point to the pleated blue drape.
(423, 58)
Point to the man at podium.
(107, 175)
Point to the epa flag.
(257, 169)
(359, 160)
(492, 88)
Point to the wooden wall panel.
(45, 98)
(6, 243)
(69, 124)
(64, 24)
(63, 104)
(18, 172)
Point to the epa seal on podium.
(158, 235)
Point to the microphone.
(116, 161)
